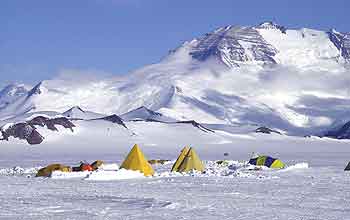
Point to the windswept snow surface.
(314, 186)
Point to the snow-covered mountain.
(78, 113)
(293, 80)
(143, 113)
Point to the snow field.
(295, 193)
(313, 187)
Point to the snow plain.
(313, 187)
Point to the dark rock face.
(35, 138)
(342, 42)
(341, 133)
(23, 131)
(60, 121)
(114, 119)
(50, 123)
(266, 130)
(35, 90)
(40, 120)
(229, 46)
(197, 125)
(27, 131)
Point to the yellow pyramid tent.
(179, 160)
(191, 162)
(136, 161)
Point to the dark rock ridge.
(197, 125)
(27, 130)
(229, 45)
(149, 111)
(342, 42)
(51, 123)
(112, 118)
(145, 114)
(36, 90)
(266, 130)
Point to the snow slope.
(146, 114)
(78, 113)
(265, 75)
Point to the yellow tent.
(190, 162)
(136, 161)
(179, 160)
(47, 171)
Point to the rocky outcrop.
(23, 131)
(114, 119)
(342, 42)
(27, 130)
(233, 45)
(266, 130)
(196, 125)
(51, 123)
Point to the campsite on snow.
(243, 122)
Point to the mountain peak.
(272, 25)
(144, 113)
(75, 109)
(76, 112)
(234, 45)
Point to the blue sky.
(40, 38)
